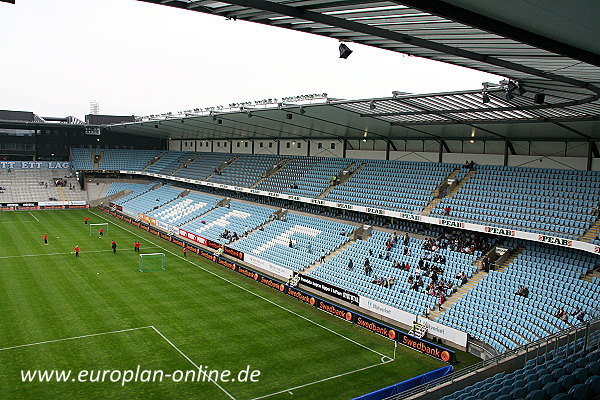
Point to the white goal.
(150, 262)
(95, 228)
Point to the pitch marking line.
(34, 216)
(193, 363)
(71, 252)
(252, 293)
(75, 337)
(323, 380)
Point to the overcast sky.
(139, 58)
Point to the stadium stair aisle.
(61, 194)
(434, 202)
(455, 298)
(329, 256)
(591, 233)
(159, 156)
(222, 167)
(280, 165)
(512, 258)
(343, 180)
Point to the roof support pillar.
(344, 148)
(505, 160)
(441, 151)
(590, 155)
(387, 149)
(278, 147)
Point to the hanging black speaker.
(344, 51)
(539, 98)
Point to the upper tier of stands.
(404, 186)
(537, 200)
(245, 170)
(549, 201)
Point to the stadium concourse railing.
(289, 288)
(505, 362)
(494, 230)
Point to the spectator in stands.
(350, 265)
(560, 313)
(523, 291)
(396, 264)
(581, 316)
(405, 238)
(394, 238)
(447, 210)
(367, 267)
(322, 258)
(576, 311)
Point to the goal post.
(95, 228)
(150, 262)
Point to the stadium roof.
(550, 49)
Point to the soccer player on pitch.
(85, 220)
(101, 233)
(45, 239)
(76, 250)
(113, 244)
(136, 246)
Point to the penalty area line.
(193, 363)
(323, 380)
(54, 254)
(75, 337)
(34, 216)
(252, 293)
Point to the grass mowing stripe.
(253, 293)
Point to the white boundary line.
(121, 331)
(322, 380)
(251, 292)
(71, 252)
(53, 254)
(75, 337)
(193, 363)
(34, 216)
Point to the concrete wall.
(535, 154)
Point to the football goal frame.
(152, 262)
(95, 228)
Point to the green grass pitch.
(99, 313)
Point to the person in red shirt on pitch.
(101, 233)
(113, 244)
(76, 251)
(184, 252)
(85, 220)
(136, 246)
(45, 239)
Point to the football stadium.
(441, 245)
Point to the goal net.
(95, 228)
(152, 262)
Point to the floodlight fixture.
(372, 105)
(485, 98)
(344, 51)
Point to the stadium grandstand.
(456, 224)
